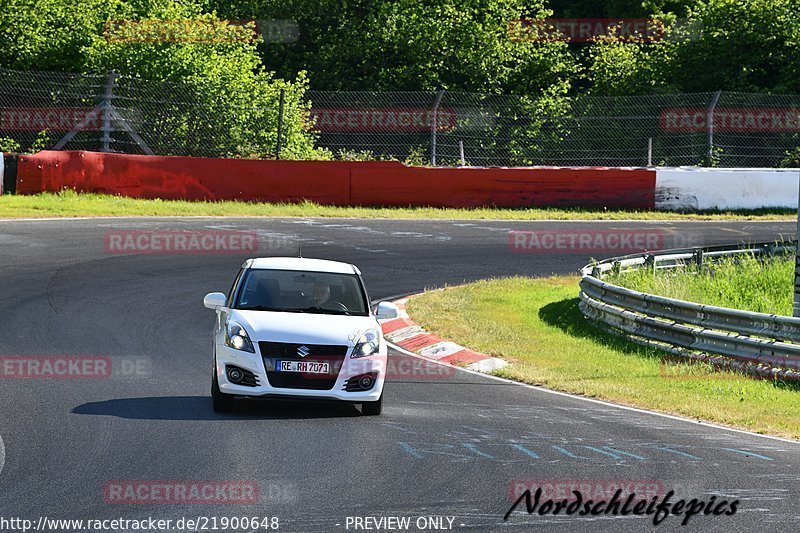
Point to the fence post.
(434, 126)
(649, 151)
(710, 126)
(461, 152)
(107, 108)
(280, 124)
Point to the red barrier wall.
(334, 182)
(505, 187)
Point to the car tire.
(222, 402)
(372, 408)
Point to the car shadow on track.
(199, 408)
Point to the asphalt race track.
(446, 446)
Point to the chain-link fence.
(123, 114)
(115, 113)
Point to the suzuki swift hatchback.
(298, 328)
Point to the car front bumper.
(253, 362)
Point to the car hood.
(308, 328)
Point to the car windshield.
(298, 291)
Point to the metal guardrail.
(760, 343)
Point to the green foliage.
(733, 45)
(792, 159)
(746, 45)
(51, 34)
(411, 45)
(355, 155)
(620, 68)
(9, 145)
(39, 143)
(417, 156)
(222, 95)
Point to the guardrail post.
(698, 258)
(650, 262)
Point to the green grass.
(753, 285)
(71, 204)
(536, 325)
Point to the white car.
(302, 329)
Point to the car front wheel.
(222, 402)
(372, 408)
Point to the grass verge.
(750, 284)
(535, 324)
(71, 204)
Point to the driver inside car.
(321, 294)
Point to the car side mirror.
(386, 310)
(214, 300)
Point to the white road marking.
(441, 349)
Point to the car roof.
(302, 263)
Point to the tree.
(195, 83)
(733, 45)
(460, 45)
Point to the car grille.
(271, 352)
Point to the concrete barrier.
(334, 182)
(689, 188)
(387, 183)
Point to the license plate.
(309, 367)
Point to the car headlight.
(368, 344)
(236, 337)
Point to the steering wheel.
(338, 305)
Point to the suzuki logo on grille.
(303, 351)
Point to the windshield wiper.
(258, 308)
(328, 310)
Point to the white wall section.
(726, 188)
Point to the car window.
(302, 292)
